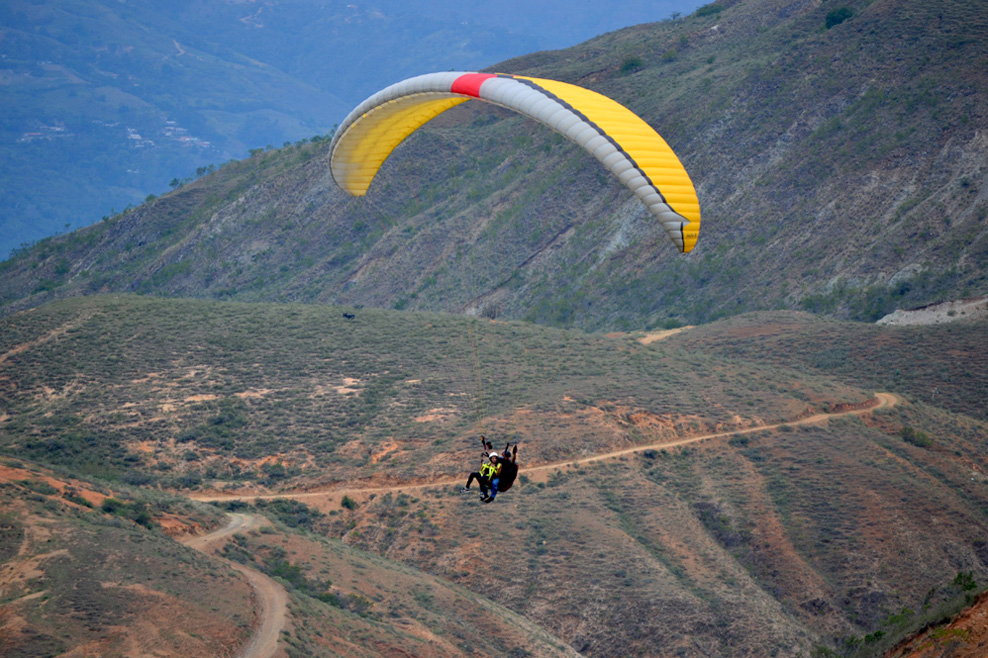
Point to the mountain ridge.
(809, 201)
(96, 90)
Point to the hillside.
(840, 169)
(181, 392)
(80, 576)
(86, 568)
(115, 99)
(832, 535)
(104, 103)
(942, 365)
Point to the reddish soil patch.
(965, 636)
(14, 475)
(177, 527)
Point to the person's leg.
(473, 476)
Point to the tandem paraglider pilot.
(498, 473)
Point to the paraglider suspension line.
(479, 409)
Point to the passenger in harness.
(483, 475)
(505, 471)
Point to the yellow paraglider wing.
(616, 136)
(371, 139)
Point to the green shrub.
(916, 437)
(738, 441)
(136, 511)
(709, 10)
(838, 16)
(39, 486)
(965, 581)
(631, 64)
(74, 497)
(292, 513)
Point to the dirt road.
(272, 600)
(881, 400)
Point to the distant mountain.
(839, 158)
(104, 102)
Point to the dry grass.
(778, 540)
(76, 578)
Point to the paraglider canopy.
(627, 146)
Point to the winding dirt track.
(881, 401)
(272, 600)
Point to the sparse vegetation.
(250, 394)
(938, 365)
(292, 513)
(108, 566)
(733, 500)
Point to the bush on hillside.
(838, 16)
(916, 437)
